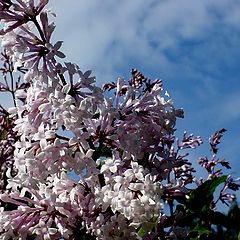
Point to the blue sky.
(192, 45)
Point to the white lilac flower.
(131, 192)
(110, 165)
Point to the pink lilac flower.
(122, 148)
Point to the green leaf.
(216, 182)
(3, 134)
(202, 196)
(141, 232)
(202, 231)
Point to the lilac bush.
(133, 178)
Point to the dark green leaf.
(3, 134)
(201, 197)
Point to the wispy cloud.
(108, 36)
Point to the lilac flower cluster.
(214, 169)
(122, 148)
(7, 139)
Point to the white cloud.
(108, 36)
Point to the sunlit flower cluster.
(121, 149)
